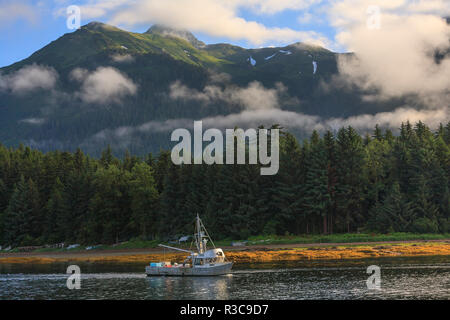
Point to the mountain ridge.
(152, 62)
(144, 44)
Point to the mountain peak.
(178, 33)
(96, 25)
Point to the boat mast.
(198, 238)
(201, 236)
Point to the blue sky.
(27, 26)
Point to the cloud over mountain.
(398, 56)
(29, 78)
(253, 97)
(212, 17)
(262, 106)
(103, 85)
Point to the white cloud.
(78, 74)
(220, 77)
(11, 11)
(254, 97)
(261, 106)
(213, 17)
(100, 8)
(437, 7)
(94, 8)
(393, 120)
(33, 121)
(306, 18)
(245, 119)
(122, 58)
(29, 78)
(123, 136)
(104, 85)
(397, 59)
(275, 6)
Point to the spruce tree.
(350, 179)
(58, 221)
(17, 222)
(317, 198)
(425, 211)
(394, 214)
(144, 200)
(287, 185)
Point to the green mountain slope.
(153, 61)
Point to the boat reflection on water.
(203, 288)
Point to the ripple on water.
(404, 281)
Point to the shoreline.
(249, 254)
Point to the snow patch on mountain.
(252, 61)
(314, 67)
(286, 52)
(270, 57)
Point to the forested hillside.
(330, 184)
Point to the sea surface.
(401, 278)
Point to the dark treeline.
(330, 184)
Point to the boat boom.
(168, 247)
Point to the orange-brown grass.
(249, 255)
(336, 253)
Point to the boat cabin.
(209, 257)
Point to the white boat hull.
(211, 270)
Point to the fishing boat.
(204, 262)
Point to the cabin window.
(198, 262)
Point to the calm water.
(423, 278)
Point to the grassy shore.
(263, 240)
(248, 254)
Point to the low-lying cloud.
(33, 121)
(29, 78)
(122, 58)
(103, 85)
(253, 97)
(392, 119)
(266, 111)
(123, 136)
